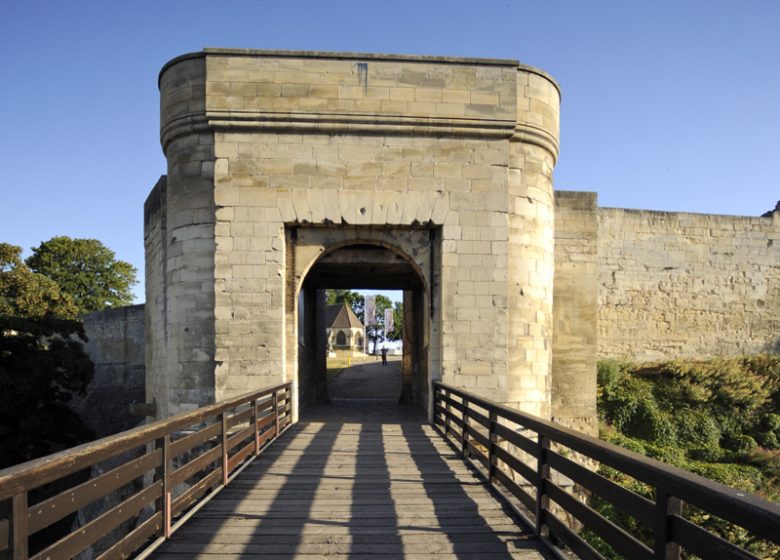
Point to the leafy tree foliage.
(86, 270)
(375, 333)
(353, 299)
(717, 418)
(25, 293)
(42, 365)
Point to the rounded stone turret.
(533, 151)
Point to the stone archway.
(370, 258)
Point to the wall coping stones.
(378, 57)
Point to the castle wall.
(116, 347)
(182, 372)
(687, 285)
(576, 288)
(462, 147)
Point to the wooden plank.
(571, 539)
(194, 492)
(704, 544)
(184, 472)
(373, 483)
(506, 481)
(20, 531)
(518, 440)
(45, 513)
(239, 417)
(517, 465)
(38, 472)
(186, 443)
(751, 512)
(240, 456)
(84, 536)
(238, 437)
(5, 534)
(134, 539)
(623, 542)
(633, 504)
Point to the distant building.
(345, 331)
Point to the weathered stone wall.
(532, 154)
(116, 347)
(576, 286)
(687, 285)
(464, 147)
(181, 375)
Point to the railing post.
(665, 506)
(255, 431)
(223, 418)
(19, 529)
(464, 435)
(276, 414)
(492, 446)
(163, 473)
(448, 409)
(543, 473)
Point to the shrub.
(768, 440)
(668, 454)
(696, 428)
(609, 371)
(706, 454)
(739, 443)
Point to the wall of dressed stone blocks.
(687, 285)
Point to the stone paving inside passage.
(359, 480)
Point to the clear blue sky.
(668, 105)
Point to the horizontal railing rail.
(536, 471)
(143, 483)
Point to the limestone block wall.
(155, 315)
(575, 296)
(687, 285)
(532, 155)
(182, 376)
(259, 142)
(116, 347)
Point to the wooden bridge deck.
(356, 481)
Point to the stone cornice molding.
(330, 123)
(333, 123)
(534, 135)
(344, 124)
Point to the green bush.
(706, 454)
(629, 405)
(609, 371)
(739, 443)
(717, 418)
(769, 440)
(696, 428)
(668, 454)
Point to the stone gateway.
(293, 172)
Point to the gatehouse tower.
(292, 172)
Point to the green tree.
(398, 322)
(24, 293)
(376, 332)
(353, 299)
(86, 270)
(42, 365)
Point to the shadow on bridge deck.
(356, 480)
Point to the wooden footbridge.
(239, 479)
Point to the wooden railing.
(154, 477)
(526, 456)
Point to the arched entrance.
(357, 258)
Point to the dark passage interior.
(361, 266)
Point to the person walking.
(384, 353)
